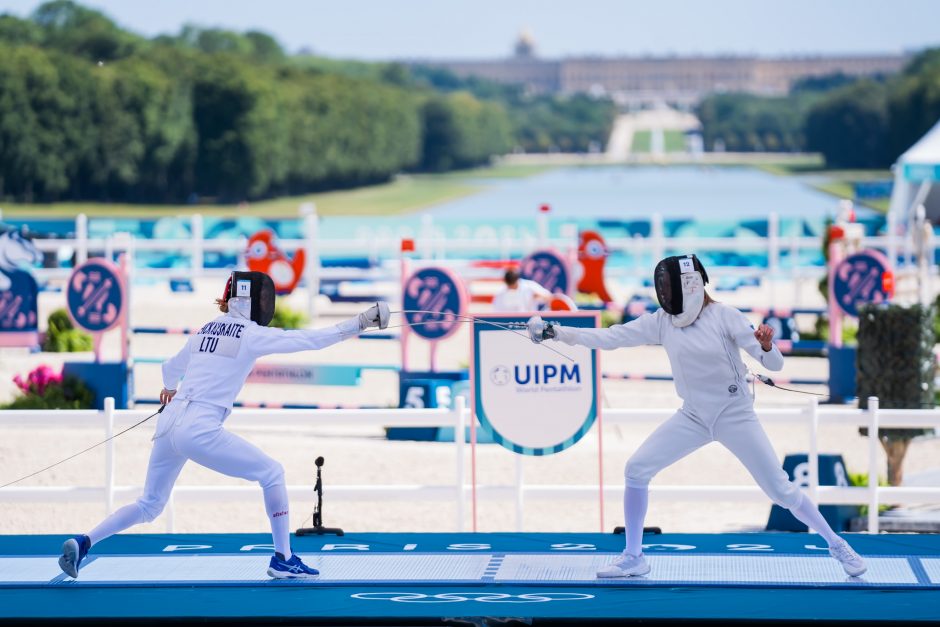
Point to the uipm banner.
(537, 399)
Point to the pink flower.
(38, 380)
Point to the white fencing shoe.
(626, 566)
(852, 562)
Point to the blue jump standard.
(424, 577)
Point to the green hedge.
(895, 356)
(896, 363)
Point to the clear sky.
(387, 29)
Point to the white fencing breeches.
(737, 428)
(194, 431)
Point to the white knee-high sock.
(635, 501)
(277, 507)
(808, 514)
(118, 521)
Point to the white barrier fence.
(432, 243)
(808, 417)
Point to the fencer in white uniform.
(201, 383)
(519, 295)
(703, 339)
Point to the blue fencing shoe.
(279, 568)
(73, 552)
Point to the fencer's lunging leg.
(808, 514)
(205, 442)
(744, 436)
(278, 508)
(162, 470)
(635, 502)
(740, 432)
(670, 442)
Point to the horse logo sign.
(18, 289)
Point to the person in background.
(519, 295)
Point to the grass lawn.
(837, 183)
(405, 194)
(642, 141)
(673, 141)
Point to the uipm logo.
(539, 374)
(499, 375)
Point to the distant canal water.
(699, 193)
(618, 201)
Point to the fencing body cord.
(162, 407)
(762, 378)
(6, 485)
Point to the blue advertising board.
(858, 279)
(548, 269)
(18, 308)
(95, 295)
(433, 303)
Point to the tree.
(73, 28)
(15, 31)
(850, 126)
(914, 103)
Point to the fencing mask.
(251, 294)
(680, 288)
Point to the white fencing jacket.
(523, 298)
(706, 361)
(215, 362)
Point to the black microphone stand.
(318, 529)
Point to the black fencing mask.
(672, 288)
(255, 288)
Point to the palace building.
(677, 80)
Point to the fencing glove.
(540, 330)
(375, 316)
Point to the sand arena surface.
(362, 456)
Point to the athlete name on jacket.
(223, 329)
(219, 338)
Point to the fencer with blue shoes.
(292, 568)
(73, 552)
(200, 384)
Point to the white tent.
(916, 182)
(915, 173)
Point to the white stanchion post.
(81, 239)
(520, 492)
(127, 264)
(198, 231)
(311, 257)
(773, 255)
(814, 449)
(460, 428)
(109, 454)
(426, 241)
(892, 230)
(872, 464)
(541, 225)
(773, 243)
(657, 233)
